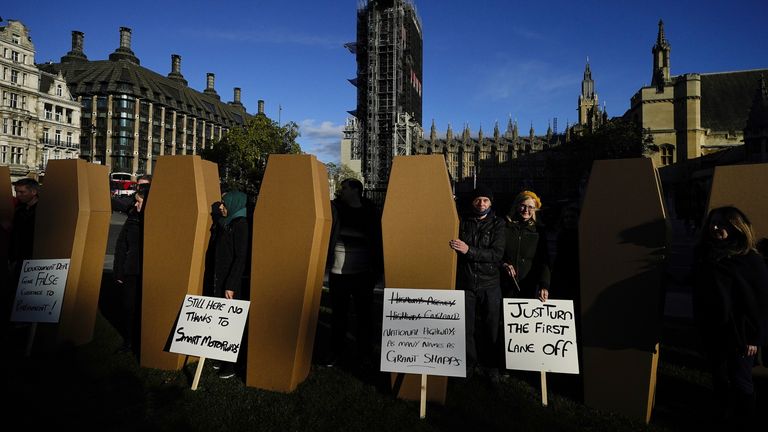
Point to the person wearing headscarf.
(231, 253)
(231, 245)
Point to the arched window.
(667, 154)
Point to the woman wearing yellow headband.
(525, 264)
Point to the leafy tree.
(340, 172)
(242, 153)
(571, 163)
(618, 138)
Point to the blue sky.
(484, 61)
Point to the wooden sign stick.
(30, 339)
(198, 372)
(543, 388)
(423, 407)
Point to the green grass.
(90, 387)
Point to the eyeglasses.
(529, 207)
(718, 225)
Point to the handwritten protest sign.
(210, 327)
(540, 336)
(40, 290)
(423, 332)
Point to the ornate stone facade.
(40, 119)
(694, 114)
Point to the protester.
(127, 271)
(730, 301)
(209, 275)
(231, 251)
(526, 260)
(356, 261)
(23, 226)
(480, 247)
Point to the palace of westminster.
(118, 113)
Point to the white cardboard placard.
(540, 336)
(40, 290)
(210, 327)
(423, 332)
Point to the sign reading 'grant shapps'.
(40, 290)
(210, 327)
(540, 336)
(423, 332)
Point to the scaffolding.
(390, 116)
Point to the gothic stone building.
(693, 114)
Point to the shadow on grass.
(91, 387)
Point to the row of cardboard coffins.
(623, 231)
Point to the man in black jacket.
(22, 236)
(480, 246)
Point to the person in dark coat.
(526, 259)
(730, 306)
(20, 238)
(480, 247)
(127, 271)
(356, 262)
(231, 253)
(23, 225)
(209, 275)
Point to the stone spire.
(465, 135)
(587, 84)
(433, 132)
(661, 65)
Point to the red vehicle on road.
(121, 183)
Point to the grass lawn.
(91, 387)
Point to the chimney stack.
(124, 51)
(176, 69)
(261, 106)
(175, 63)
(125, 38)
(236, 102)
(209, 90)
(76, 54)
